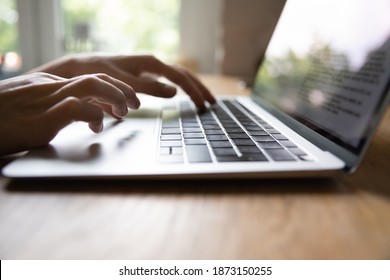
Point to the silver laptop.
(317, 100)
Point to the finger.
(183, 79)
(180, 78)
(205, 91)
(105, 107)
(145, 85)
(92, 88)
(69, 110)
(153, 87)
(132, 100)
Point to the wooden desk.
(344, 218)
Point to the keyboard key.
(258, 133)
(224, 152)
(231, 125)
(170, 117)
(192, 130)
(171, 144)
(280, 155)
(238, 136)
(193, 135)
(253, 157)
(247, 123)
(224, 118)
(206, 118)
(249, 150)
(189, 119)
(170, 137)
(288, 144)
(268, 126)
(270, 145)
(198, 153)
(210, 126)
(253, 128)
(259, 120)
(206, 115)
(186, 113)
(273, 131)
(221, 144)
(228, 159)
(170, 131)
(259, 157)
(217, 138)
(235, 130)
(209, 122)
(186, 118)
(171, 151)
(195, 141)
(243, 142)
(263, 138)
(279, 136)
(171, 124)
(214, 132)
(195, 125)
(228, 120)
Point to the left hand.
(35, 107)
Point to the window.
(176, 31)
(127, 26)
(9, 55)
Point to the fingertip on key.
(96, 127)
(134, 104)
(169, 91)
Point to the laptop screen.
(328, 66)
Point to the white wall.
(199, 32)
(40, 31)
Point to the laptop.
(318, 97)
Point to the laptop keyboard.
(217, 136)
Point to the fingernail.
(120, 112)
(134, 104)
(100, 129)
(96, 127)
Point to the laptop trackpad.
(131, 141)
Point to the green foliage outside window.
(8, 26)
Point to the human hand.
(140, 72)
(35, 107)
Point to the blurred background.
(218, 37)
